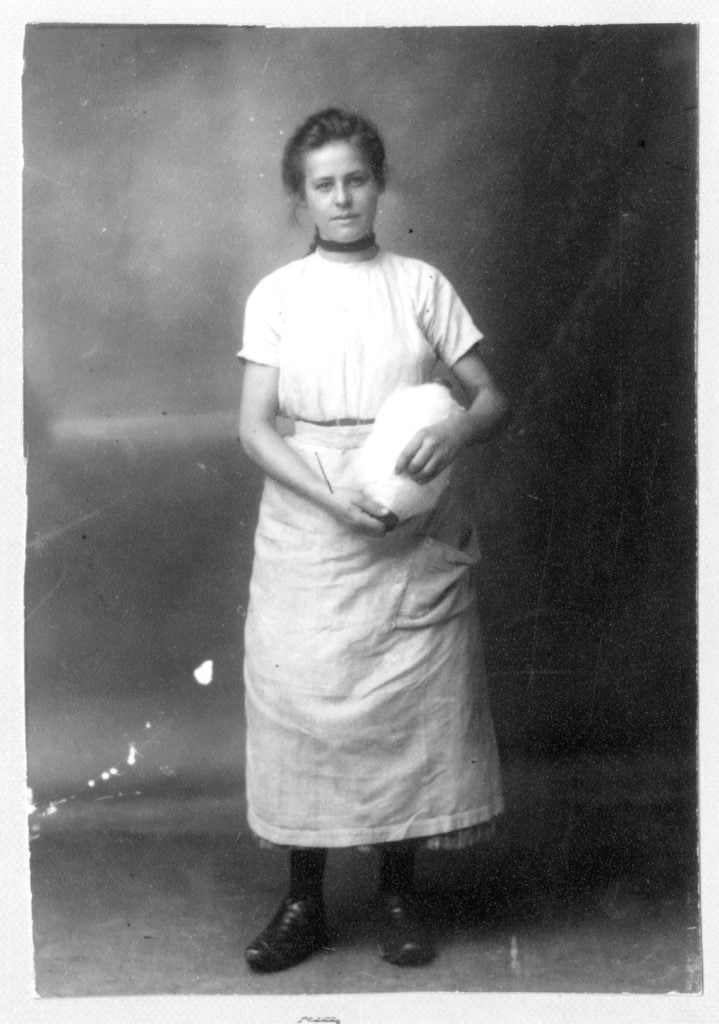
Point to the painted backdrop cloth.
(367, 711)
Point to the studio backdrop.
(549, 172)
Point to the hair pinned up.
(331, 125)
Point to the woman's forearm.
(434, 448)
(488, 410)
(272, 454)
(486, 416)
(262, 443)
(352, 507)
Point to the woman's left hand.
(434, 448)
(431, 450)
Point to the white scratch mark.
(539, 594)
(47, 596)
(514, 955)
(114, 771)
(39, 174)
(607, 617)
(203, 674)
(31, 808)
(132, 756)
(42, 538)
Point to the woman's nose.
(342, 195)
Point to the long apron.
(367, 712)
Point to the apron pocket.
(438, 583)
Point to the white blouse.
(346, 335)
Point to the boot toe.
(295, 932)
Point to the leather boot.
(405, 940)
(295, 932)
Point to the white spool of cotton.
(404, 413)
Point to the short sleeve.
(261, 327)
(445, 320)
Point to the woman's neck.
(360, 250)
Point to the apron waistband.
(333, 434)
(344, 421)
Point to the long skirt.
(367, 711)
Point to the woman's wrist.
(467, 429)
(477, 425)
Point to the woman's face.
(340, 192)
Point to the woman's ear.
(297, 205)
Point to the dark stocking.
(307, 869)
(396, 871)
(298, 928)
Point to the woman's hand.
(431, 450)
(435, 448)
(358, 510)
(263, 444)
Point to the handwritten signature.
(319, 1020)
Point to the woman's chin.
(346, 231)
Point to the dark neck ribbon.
(366, 242)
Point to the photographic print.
(360, 584)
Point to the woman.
(367, 714)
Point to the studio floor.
(590, 886)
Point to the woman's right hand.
(355, 508)
(260, 440)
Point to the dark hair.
(331, 125)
